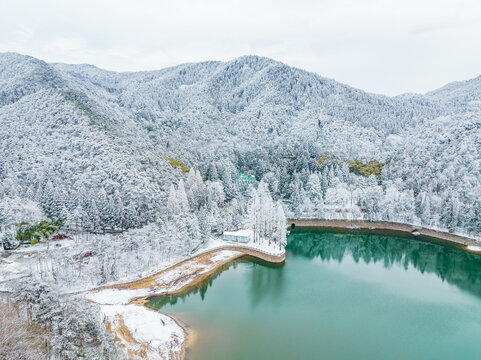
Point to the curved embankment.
(187, 273)
(393, 228)
(120, 302)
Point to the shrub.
(34, 233)
(8, 241)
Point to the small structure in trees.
(243, 236)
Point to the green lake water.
(339, 296)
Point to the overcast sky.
(382, 46)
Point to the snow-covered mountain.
(249, 101)
(463, 95)
(61, 147)
(73, 134)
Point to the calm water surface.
(339, 296)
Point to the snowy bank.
(185, 273)
(439, 236)
(263, 247)
(144, 333)
(474, 248)
(171, 280)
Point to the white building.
(242, 236)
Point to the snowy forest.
(116, 150)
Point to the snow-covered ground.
(11, 270)
(144, 333)
(15, 264)
(264, 246)
(116, 296)
(474, 248)
(44, 246)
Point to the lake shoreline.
(243, 250)
(240, 251)
(391, 228)
(183, 276)
(420, 278)
(190, 334)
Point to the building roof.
(241, 232)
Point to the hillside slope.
(67, 150)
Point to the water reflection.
(263, 285)
(266, 285)
(457, 267)
(157, 302)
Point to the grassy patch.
(177, 163)
(356, 166)
(365, 168)
(326, 157)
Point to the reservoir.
(338, 296)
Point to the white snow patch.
(160, 333)
(474, 248)
(224, 255)
(116, 296)
(272, 249)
